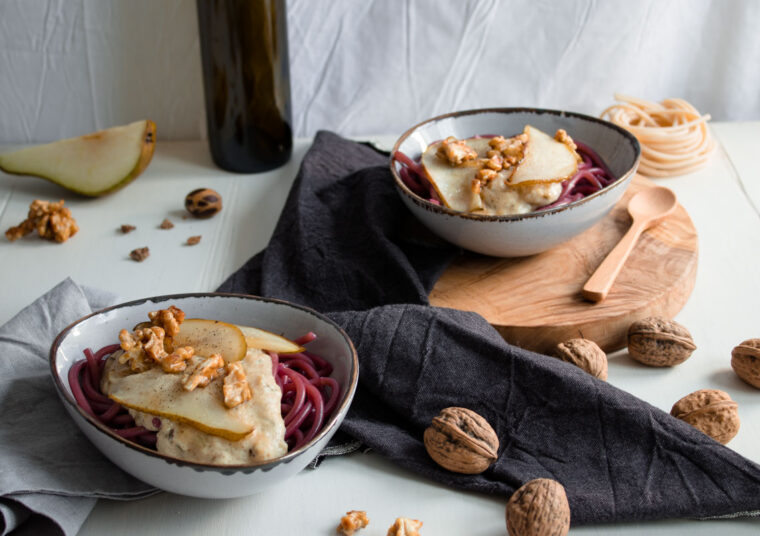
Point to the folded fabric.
(50, 473)
(347, 246)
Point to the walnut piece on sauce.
(456, 151)
(236, 389)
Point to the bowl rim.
(441, 209)
(345, 402)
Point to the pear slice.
(453, 184)
(266, 340)
(161, 394)
(212, 337)
(92, 165)
(545, 160)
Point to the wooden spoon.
(647, 209)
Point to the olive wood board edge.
(536, 302)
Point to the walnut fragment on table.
(353, 521)
(126, 228)
(139, 254)
(403, 526)
(52, 221)
(166, 224)
(193, 240)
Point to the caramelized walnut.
(563, 137)
(142, 348)
(52, 221)
(168, 319)
(236, 389)
(455, 151)
(403, 526)
(353, 521)
(177, 360)
(205, 371)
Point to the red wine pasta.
(309, 394)
(592, 175)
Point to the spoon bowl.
(652, 204)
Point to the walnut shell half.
(659, 342)
(745, 360)
(585, 354)
(461, 441)
(538, 508)
(710, 411)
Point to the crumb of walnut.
(126, 228)
(353, 521)
(139, 254)
(193, 240)
(168, 319)
(205, 371)
(52, 221)
(236, 389)
(166, 224)
(403, 526)
(456, 151)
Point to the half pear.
(92, 165)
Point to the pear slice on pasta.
(266, 340)
(212, 337)
(161, 394)
(545, 160)
(453, 184)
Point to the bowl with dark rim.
(533, 232)
(101, 328)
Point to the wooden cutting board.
(535, 302)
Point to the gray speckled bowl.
(204, 480)
(525, 234)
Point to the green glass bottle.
(246, 79)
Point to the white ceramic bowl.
(179, 476)
(525, 234)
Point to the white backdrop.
(68, 67)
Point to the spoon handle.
(600, 282)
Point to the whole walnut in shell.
(203, 202)
(745, 360)
(710, 411)
(461, 441)
(584, 354)
(538, 508)
(659, 342)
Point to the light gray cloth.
(50, 474)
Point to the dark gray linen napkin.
(50, 474)
(347, 246)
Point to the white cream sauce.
(184, 441)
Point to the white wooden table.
(722, 199)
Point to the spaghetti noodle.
(673, 135)
(309, 395)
